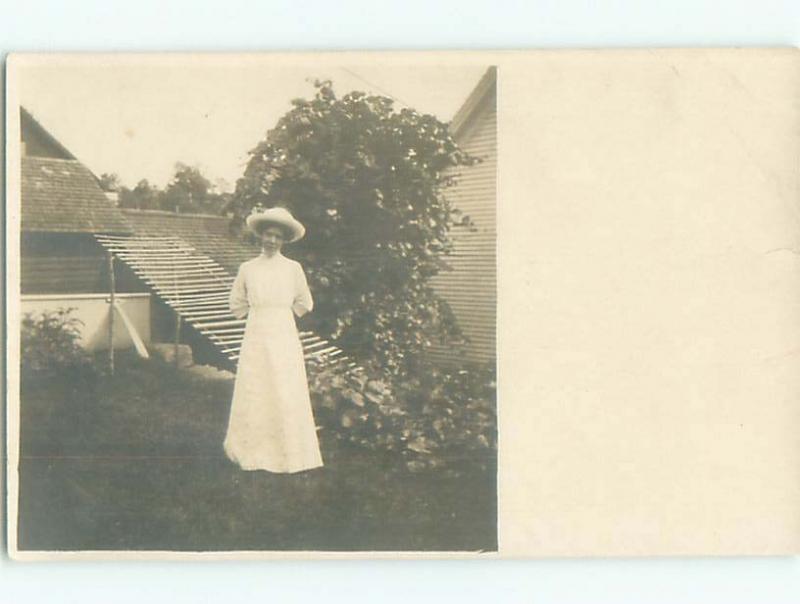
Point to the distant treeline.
(187, 192)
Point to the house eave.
(484, 87)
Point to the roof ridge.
(56, 159)
(485, 84)
(27, 116)
(168, 213)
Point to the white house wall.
(471, 285)
(92, 309)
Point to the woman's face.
(272, 238)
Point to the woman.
(271, 425)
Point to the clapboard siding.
(469, 283)
(62, 274)
(72, 263)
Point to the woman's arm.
(303, 302)
(237, 301)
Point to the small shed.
(61, 263)
(62, 208)
(470, 283)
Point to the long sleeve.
(303, 302)
(237, 302)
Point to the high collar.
(263, 256)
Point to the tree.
(187, 191)
(191, 192)
(143, 196)
(368, 182)
(109, 182)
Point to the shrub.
(50, 349)
(441, 418)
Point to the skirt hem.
(272, 468)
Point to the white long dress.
(271, 425)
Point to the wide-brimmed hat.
(279, 216)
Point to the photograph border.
(16, 62)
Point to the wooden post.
(111, 306)
(177, 337)
(177, 315)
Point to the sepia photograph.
(252, 305)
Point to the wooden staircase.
(196, 287)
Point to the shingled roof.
(207, 233)
(62, 195)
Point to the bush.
(440, 419)
(50, 349)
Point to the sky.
(137, 118)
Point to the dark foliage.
(437, 419)
(50, 349)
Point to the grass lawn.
(136, 463)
